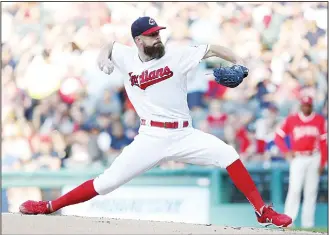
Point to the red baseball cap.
(307, 100)
(144, 26)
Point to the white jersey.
(158, 88)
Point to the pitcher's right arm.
(114, 54)
(104, 62)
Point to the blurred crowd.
(60, 111)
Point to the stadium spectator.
(51, 84)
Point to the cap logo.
(151, 21)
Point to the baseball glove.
(230, 76)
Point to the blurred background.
(59, 112)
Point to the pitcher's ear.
(137, 39)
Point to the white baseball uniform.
(158, 92)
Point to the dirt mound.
(40, 224)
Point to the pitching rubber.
(51, 224)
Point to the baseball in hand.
(107, 67)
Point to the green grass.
(318, 230)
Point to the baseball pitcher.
(155, 82)
(308, 134)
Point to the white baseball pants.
(303, 174)
(154, 145)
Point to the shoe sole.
(277, 226)
(22, 210)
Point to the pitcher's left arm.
(227, 76)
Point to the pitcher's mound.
(41, 224)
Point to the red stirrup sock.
(243, 181)
(82, 193)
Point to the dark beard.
(155, 51)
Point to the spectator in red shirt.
(216, 119)
(243, 140)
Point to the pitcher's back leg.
(209, 150)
